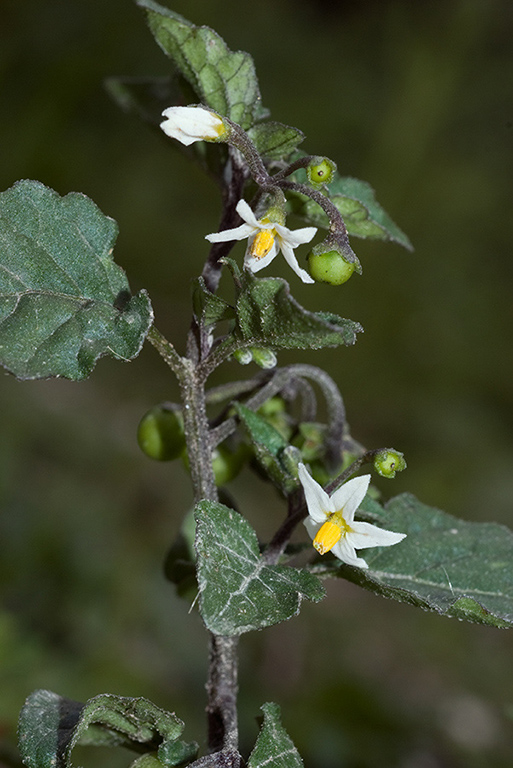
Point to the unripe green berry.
(388, 462)
(321, 172)
(226, 463)
(330, 267)
(160, 434)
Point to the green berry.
(330, 267)
(321, 172)
(388, 462)
(160, 434)
(227, 464)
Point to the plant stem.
(222, 676)
(222, 693)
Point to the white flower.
(331, 524)
(266, 239)
(190, 124)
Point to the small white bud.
(190, 124)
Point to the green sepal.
(268, 445)
(239, 592)
(64, 302)
(50, 726)
(356, 201)
(268, 316)
(275, 141)
(274, 747)
(451, 566)
(222, 79)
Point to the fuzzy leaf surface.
(239, 592)
(275, 141)
(209, 308)
(63, 301)
(51, 726)
(274, 748)
(268, 316)
(454, 567)
(356, 201)
(222, 79)
(268, 445)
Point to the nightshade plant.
(65, 303)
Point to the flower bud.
(190, 124)
(160, 434)
(243, 356)
(389, 461)
(265, 358)
(320, 171)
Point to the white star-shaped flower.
(190, 124)
(265, 240)
(331, 523)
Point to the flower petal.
(297, 236)
(245, 212)
(291, 260)
(317, 500)
(237, 233)
(349, 496)
(312, 526)
(190, 124)
(255, 265)
(344, 550)
(365, 535)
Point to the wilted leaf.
(238, 591)
(51, 726)
(451, 566)
(222, 79)
(64, 302)
(274, 747)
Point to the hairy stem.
(222, 693)
(222, 676)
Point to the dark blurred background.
(414, 97)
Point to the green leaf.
(239, 592)
(63, 301)
(268, 445)
(362, 214)
(51, 726)
(209, 308)
(222, 79)
(275, 141)
(451, 566)
(268, 316)
(274, 747)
